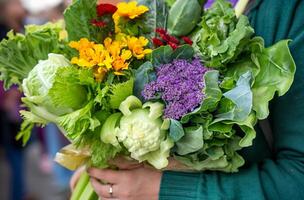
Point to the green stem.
(88, 193)
(80, 187)
(241, 7)
(84, 189)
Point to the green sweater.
(264, 177)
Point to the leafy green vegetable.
(213, 95)
(165, 54)
(183, 17)
(170, 2)
(176, 130)
(183, 52)
(191, 142)
(108, 134)
(276, 75)
(53, 84)
(222, 36)
(20, 53)
(56, 92)
(162, 55)
(78, 17)
(155, 18)
(242, 98)
(120, 92)
(144, 75)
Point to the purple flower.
(180, 84)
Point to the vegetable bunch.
(147, 80)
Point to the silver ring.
(111, 190)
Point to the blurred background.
(29, 173)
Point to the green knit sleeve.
(283, 176)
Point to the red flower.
(174, 40)
(161, 31)
(97, 23)
(165, 37)
(173, 45)
(105, 8)
(157, 42)
(187, 40)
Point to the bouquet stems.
(84, 189)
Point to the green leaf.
(183, 17)
(242, 98)
(120, 92)
(101, 94)
(20, 53)
(183, 52)
(202, 165)
(78, 122)
(67, 92)
(155, 18)
(162, 55)
(277, 70)
(25, 132)
(222, 36)
(144, 75)
(191, 142)
(159, 158)
(213, 95)
(170, 2)
(77, 18)
(176, 130)
(107, 134)
(130, 104)
(101, 152)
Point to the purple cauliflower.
(180, 84)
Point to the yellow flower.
(130, 10)
(100, 73)
(113, 55)
(136, 45)
(127, 10)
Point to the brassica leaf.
(276, 75)
(191, 142)
(155, 18)
(183, 17)
(78, 17)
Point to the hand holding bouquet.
(147, 80)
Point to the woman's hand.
(127, 184)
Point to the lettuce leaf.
(20, 53)
(222, 36)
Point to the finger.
(102, 191)
(105, 175)
(75, 178)
(123, 163)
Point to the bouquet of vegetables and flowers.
(148, 80)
